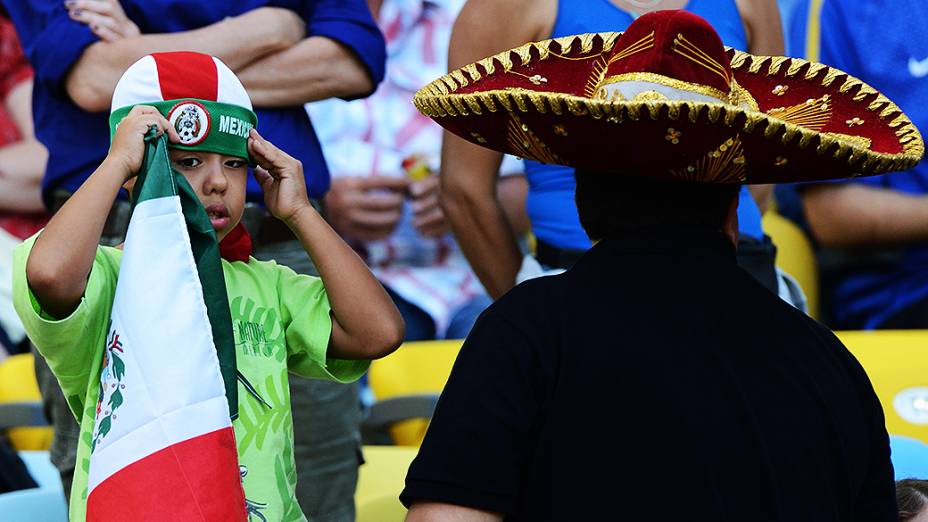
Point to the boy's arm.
(365, 322)
(63, 254)
(237, 41)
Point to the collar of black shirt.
(676, 241)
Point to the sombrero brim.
(806, 121)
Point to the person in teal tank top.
(550, 202)
(472, 205)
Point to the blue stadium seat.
(42, 504)
(910, 457)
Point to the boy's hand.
(128, 147)
(281, 178)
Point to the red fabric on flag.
(187, 75)
(190, 480)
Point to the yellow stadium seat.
(18, 385)
(416, 369)
(795, 256)
(380, 481)
(897, 364)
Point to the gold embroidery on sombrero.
(526, 144)
(586, 46)
(912, 148)
(649, 96)
(641, 45)
(688, 50)
(434, 100)
(812, 114)
(741, 97)
(666, 81)
(596, 77)
(725, 164)
(859, 141)
(536, 79)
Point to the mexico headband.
(197, 93)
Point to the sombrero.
(666, 99)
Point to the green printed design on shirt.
(257, 420)
(257, 329)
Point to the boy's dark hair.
(610, 203)
(912, 497)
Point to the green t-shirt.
(281, 322)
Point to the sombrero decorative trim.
(778, 122)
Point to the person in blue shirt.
(287, 53)
(875, 228)
(468, 171)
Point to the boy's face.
(220, 183)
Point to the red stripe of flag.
(187, 75)
(197, 479)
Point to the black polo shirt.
(656, 381)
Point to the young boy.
(326, 328)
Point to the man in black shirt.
(655, 380)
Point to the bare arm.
(63, 254)
(314, 69)
(437, 512)
(22, 163)
(237, 41)
(765, 37)
(365, 322)
(762, 22)
(849, 215)
(512, 191)
(480, 225)
(469, 173)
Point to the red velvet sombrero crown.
(667, 99)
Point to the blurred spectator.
(468, 177)
(912, 497)
(22, 160)
(384, 196)
(308, 50)
(874, 229)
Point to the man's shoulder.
(530, 304)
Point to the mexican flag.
(163, 445)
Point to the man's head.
(212, 114)
(610, 204)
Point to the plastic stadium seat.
(380, 481)
(42, 504)
(406, 385)
(18, 385)
(910, 457)
(896, 362)
(795, 256)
